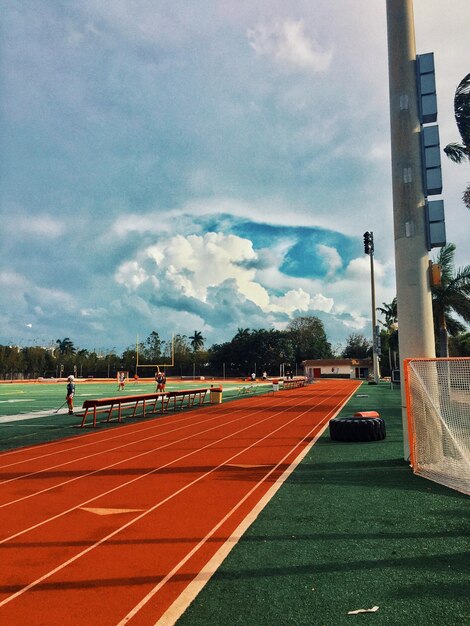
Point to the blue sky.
(179, 166)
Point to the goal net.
(438, 407)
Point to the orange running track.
(124, 526)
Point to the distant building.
(337, 368)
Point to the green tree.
(128, 360)
(451, 296)
(153, 347)
(37, 361)
(459, 345)
(389, 336)
(12, 363)
(65, 346)
(197, 341)
(390, 312)
(81, 361)
(309, 339)
(357, 347)
(459, 152)
(183, 353)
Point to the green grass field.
(28, 410)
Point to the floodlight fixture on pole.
(368, 242)
(369, 249)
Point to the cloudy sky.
(181, 165)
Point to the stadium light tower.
(369, 249)
(414, 304)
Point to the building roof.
(337, 362)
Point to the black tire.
(357, 429)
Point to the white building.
(337, 368)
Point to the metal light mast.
(414, 304)
(369, 249)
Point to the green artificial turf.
(352, 528)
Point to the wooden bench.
(293, 383)
(149, 402)
(187, 395)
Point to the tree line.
(248, 351)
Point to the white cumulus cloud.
(332, 259)
(200, 266)
(131, 274)
(293, 300)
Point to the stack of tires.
(363, 426)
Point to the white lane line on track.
(158, 423)
(191, 436)
(180, 605)
(126, 445)
(101, 452)
(171, 614)
(151, 509)
(96, 436)
(106, 436)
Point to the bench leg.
(84, 419)
(109, 413)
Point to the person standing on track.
(70, 393)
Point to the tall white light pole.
(369, 249)
(414, 304)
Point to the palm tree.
(197, 341)
(452, 295)
(390, 312)
(242, 333)
(455, 151)
(65, 346)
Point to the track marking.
(125, 445)
(181, 603)
(94, 435)
(155, 506)
(156, 426)
(124, 432)
(110, 511)
(125, 484)
(187, 596)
